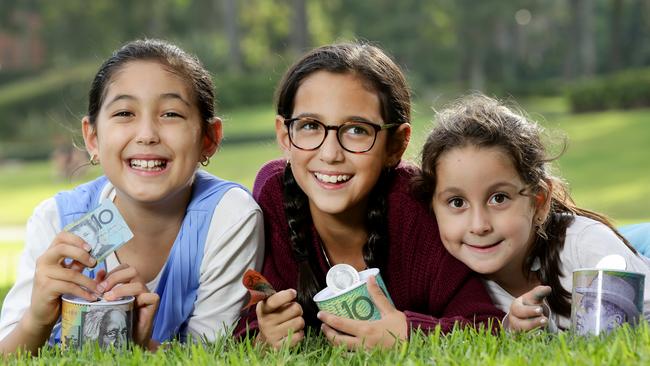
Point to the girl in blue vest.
(150, 123)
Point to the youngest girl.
(500, 211)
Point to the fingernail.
(102, 286)
(543, 321)
(539, 310)
(108, 294)
(319, 314)
(87, 247)
(92, 261)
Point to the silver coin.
(341, 276)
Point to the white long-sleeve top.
(234, 243)
(587, 242)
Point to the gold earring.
(94, 160)
(540, 230)
(205, 161)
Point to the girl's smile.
(148, 134)
(335, 180)
(484, 214)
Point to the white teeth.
(332, 178)
(142, 164)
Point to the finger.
(521, 311)
(65, 237)
(74, 277)
(349, 326)
(378, 297)
(125, 289)
(125, 274)
(58, 254)
(294, 338)
(339, 339)
(536, 295)
(67, 288)
(283, 314)
(147, 299)
(275, 301)
(527, 324)
(100, 275)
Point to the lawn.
(625, 346)
(605, 164)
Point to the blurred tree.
(231, 26)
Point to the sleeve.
(235, 243)
(278, 264)
(595, 241)
(41, 229)
(467, 301)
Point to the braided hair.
(384, 77)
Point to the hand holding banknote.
(278, 314)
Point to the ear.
(211, 143)
(543, 200)
(282, 135)
(398, 143)
(90, 136)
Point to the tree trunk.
(300, 39)
(231, 25)
(615, 33)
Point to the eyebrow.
(493, 187)
(346, 119)
(162, 96)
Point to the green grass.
(625, 346)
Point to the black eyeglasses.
(354, 136)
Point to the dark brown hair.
(384, 77)
(477, 120)
(187, 66)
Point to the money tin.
(107, 323)
(354, 302)
(605, 299)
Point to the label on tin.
(106, 323)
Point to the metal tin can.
(108, 323)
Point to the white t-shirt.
(234, 243)
(587, 242)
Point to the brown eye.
(456, 202)
(498, 199)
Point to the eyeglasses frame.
(375, 126)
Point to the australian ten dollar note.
(103, 228)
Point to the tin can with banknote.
(353, 302)
(107, 323)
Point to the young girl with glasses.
(342, 196)
(486, 173)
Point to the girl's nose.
(331, 151)
(480, 224)
(147, 133)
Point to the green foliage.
(623, 90)
(624, 346)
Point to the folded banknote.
(258, 287)
(103, 229)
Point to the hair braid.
(375, 251)
(296, 209)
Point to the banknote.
(258, 287)
(103, 229)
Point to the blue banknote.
(104, 229)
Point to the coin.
(341, 277)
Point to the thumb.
(536, 296)
(378, 297)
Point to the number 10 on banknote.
(103, 229)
